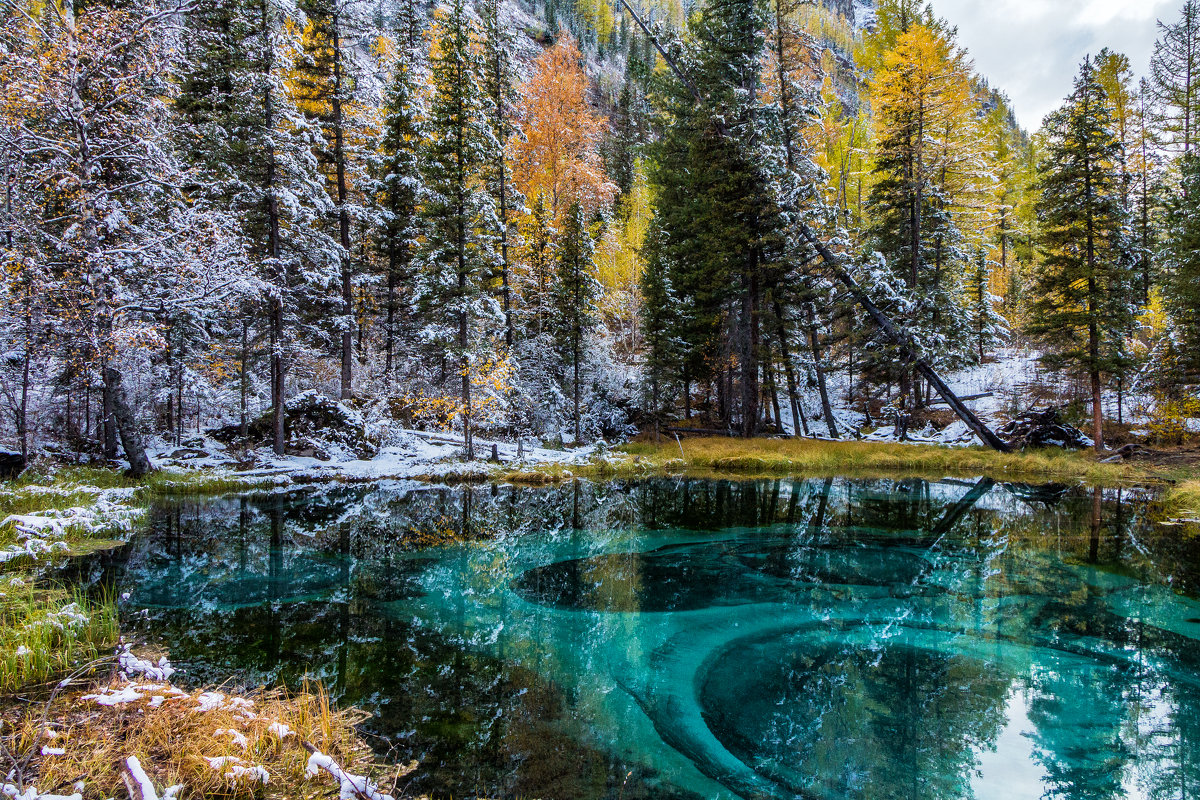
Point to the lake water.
(672, 639)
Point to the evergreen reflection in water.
(826, 638)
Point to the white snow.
(134, 666)
(351, 786)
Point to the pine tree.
(398, 190)
(1182, 267)
(988, 327)
(456, 216)
(1082, 309)
(499, 89)
(323, 87)
(720, 217)
(658, 323)
(1175, 76)
(575, 292)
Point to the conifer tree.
(988, 328)
(926, 146)
(398, 190)
(499, 89)
(1082, 306)
(575, 292)
(1175, 77)
(456, 216)
(323, 87)
(1182, 267)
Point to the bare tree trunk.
(126, 425)
(814, 339)
(243, 375)
(749, 347)
(789, 370)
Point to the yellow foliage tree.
(556, 153)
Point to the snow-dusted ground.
(1000, 380)
(412, 454)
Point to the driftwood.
(897, 335)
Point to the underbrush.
(48, 631)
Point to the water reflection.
(773, 639)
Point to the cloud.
(1031, 49)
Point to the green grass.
(38, 641)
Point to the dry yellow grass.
(864, 459)
(176, 738)
(1183, 500)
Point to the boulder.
(11, 464)
(314, 426)
(1043, 428)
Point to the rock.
(315, 426)
(11, 465)
(1043, 428)
(188, 454)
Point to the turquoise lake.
(704, 639)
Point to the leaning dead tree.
(896, 334)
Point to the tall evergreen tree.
(398, 189)
(1083, 305)
(499, 88)
(988, 327)
(1182, 268)
(323, 86)
(720, 216)
(575, 292)
(457, 214)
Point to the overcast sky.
(1031, 49)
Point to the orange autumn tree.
(556, 152)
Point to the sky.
(1031, 49)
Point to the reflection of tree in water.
(280, 586)
(867, 719)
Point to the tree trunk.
(244, 376)
(789, 371)
(390, 333)
(575, 387)
(126, 425)
(749, 346)
(275, 299)
(339, 156)
(110, 426)
(815, 343)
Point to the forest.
(575, 220)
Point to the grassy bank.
(807, 457)
(1183, 500)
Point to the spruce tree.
(1182, 268)
(456, 258)
(987, 326)
(1083, 304)
(575, 292)
(499, 89)
(398, 190)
